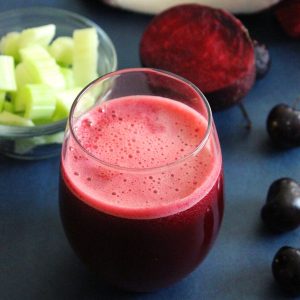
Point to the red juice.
(140, 204)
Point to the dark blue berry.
(286, 269)
(283, 125)
(281, 212)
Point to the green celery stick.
(61, 50)
(23, 75)
(56, 138)
(19, 101)
(11, 97)
(9, 45)
(25, 145)
(68, 76)
(41, 35)
(34, 52)
(85, 56)
(42, 67)
(64, 101)
(2, 99)
(8, 106)
(39, 102)
(8, 118)
(7, 73)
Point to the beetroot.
(288, 16)
(209, 47)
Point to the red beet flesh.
(288, 16)
(209, 47)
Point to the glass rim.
(194, 152)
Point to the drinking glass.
(141, 182)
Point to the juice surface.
(141, 132)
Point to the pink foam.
(141, 132)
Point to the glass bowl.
(43, 141)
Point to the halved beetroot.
(209, 47)
(288, 16)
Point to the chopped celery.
(2, 99)
(68, 76)
(7, 73)
(23, 146)
(41, 35)
(34, 52)
(45, 71)
(47, 77)
(8, 118)
(11, 97)
(61, 50)
(56, 138)
(19, 101)
(64, 101)
(39, 101)
(9, 45)
(42, 67)
(23, 75)
(85, 57)
(8, 106)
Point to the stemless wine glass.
(141, 185)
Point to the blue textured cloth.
(36, 261)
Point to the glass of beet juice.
(141, 185)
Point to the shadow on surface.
(267, 148)
(275, 292)
(72, 280)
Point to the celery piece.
(42, 67)
(7, 73)
(39, 101)
(45, 71)
(8, 118)
(23, 75)
(25, 145)
(55, 138)
(11, 97)
(85, 56)
(61, 50)
(8, 106)
(36, 52)
(9, 45)
(64, 101)
(19, 101)
(41, 35)
(2, 99)
(68, 76)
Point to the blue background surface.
(36, 261)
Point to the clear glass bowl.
(44, 141)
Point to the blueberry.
(283, 125)
(286, 269)
(281, 212)
(262, 59)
